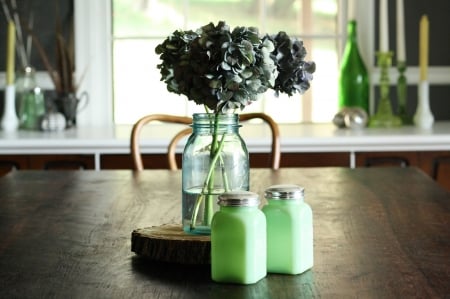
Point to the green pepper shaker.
(238, 239)
(289, 230)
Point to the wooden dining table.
(378, 233)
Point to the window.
(94, 60)
(138, 26)
(94, 67)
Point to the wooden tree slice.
(169, 243)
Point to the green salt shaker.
(238, 239)
(289, 230)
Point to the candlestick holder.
(423, 118)
(10, 121)
(384, 116)
(402, 94)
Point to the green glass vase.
(353, 76)
(30, 99)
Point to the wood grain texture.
(378, 233)
(169, 243)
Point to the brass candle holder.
(402, 94)
(384, 116)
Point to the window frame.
(93, 48)
(93, 63)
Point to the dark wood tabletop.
(378, 233)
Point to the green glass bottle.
(353, 76)
(31, 100)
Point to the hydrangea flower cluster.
(227, 69)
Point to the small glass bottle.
(215, 160)
(238, 239)
(289, 230)
(31, 100)
(353, 76)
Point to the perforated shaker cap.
(285, 192)
(238, 199)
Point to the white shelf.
(294, 138)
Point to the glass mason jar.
(289, 230)
(238, 239)
(215, 160)
(30, 100)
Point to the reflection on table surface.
(378, 233)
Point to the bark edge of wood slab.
(169, 243)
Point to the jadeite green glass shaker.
(353, 76)
(289, 230)
(238, 239)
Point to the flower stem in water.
(208, 187)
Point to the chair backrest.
(275, 149)
(136, 131)
(137, 127)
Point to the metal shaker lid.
(285, 192)
(238, 199)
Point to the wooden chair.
(437, 163)
(136, 131)
(275, 148)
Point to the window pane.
(324, 85)
(146, 17)
(139, 26)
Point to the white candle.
(384, 25)
(401, 55)
(351, 10)
(423, 48)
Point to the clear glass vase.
(215, 160)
